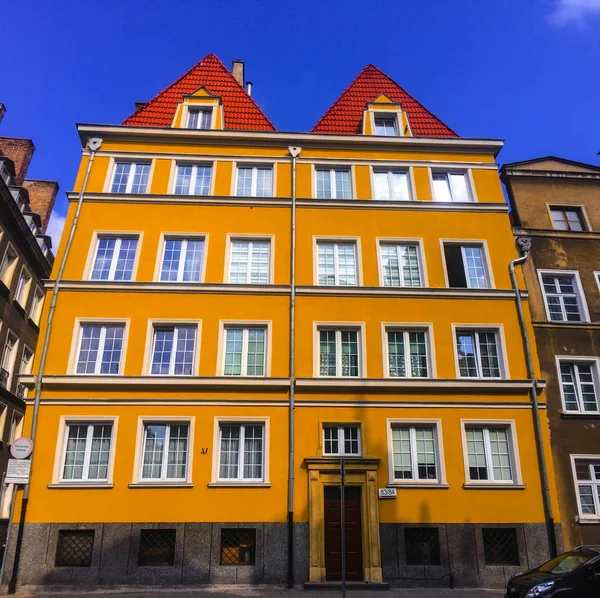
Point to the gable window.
(451, 186)
(165, 451)
(567, 218)
(386, 126)
(8, 359)
(249, 261)
(87, 452)
(391, 184)
(407, 353)
(9, 263)
(333, 183)
(193, 179)
(563, 297)
(173, 350)
(22, 291)
(341, 440)
(478, 354)
(241, 452)
(466, 266)
(339, 353)
(130, 177)
(182, 260)
(580, 386)
(255, 181)
(414, 453)
(37, 304)
(245, 351)
(199, 118)
(400, 265)
(587, 475)
(114, 259)
(489, 453)
(100, 347)
(336, 264)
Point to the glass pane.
(75, 452)
(205, 118)
(409, 258)
(140, 178)
(88, 351)
(426, 461)
(558, 220)
(574, 220)
(418, 354)
(259, 268)
(587, 385)
(331, 444)
(390, 265)
(346, 264)
(500, 454)
(111, 355)
(396, 354)
(177, 455)
(229, 451)
(349, 353)
(567, 378)
(467, 361)
(126, 259)
(163, 348)
(244, 182)
(192, 265)
(385, 126)
(104, 256)
(233, 351)
(183, 180)
(203, 174)
(476, 453)
(402, 453)
(154, 446)
(185, 351)
(172, 256)
(400, 190)
(327, 353)
(381, 184)
(460, 190)
(490, 364)
(100, 452)
(264, 182)
(256, 352)
(441, 187)
(475, 267)
(323, 184)
(121, 177)
(238, 262)
(326, 263)
(253, 452)
(343, 189)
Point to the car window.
(567, 562)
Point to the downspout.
(524, 246)
(294, 153)
(93, 145)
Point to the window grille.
(500, 546)
(422, 545)
(238, 546)
(157, 547)
(74, 548)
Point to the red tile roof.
(241, 111)
(345, 116)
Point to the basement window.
(74, 548)
(157, 548)
(500, 546)
(238, 546)
(422, 545)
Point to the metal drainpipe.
(294, 153)
(93, 145)
(524, 246)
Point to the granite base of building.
(114, 554)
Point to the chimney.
(249, 88)
(2, 111)
(140, 105)
(237, 68)
(20, 151)
(42, 195)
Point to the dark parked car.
(573, 574)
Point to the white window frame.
(468, 174)
(254, 183)
(585, 516)
(231, 238)
(22, 290)
(193, 179)
(133, 165)
(249, 482)
(390, 171)
(185, 237)
(462, 243)
(191, 109)
(513, 447)
(29, 367)
(594, 363)
(436, 424)
(224, 325)
(37, 305)
(386, 115)
(338, 327)
(498, 329)
(341, 439)
(332, 186)
(137, 479)
(426, 328)
(335, 241)
(13, 358)
(61, 446)
(581, 300)
(7, 272)
(115, 257)
(420, 256)
(175, 324)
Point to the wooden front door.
(333, 539)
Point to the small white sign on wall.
(18, 471)
(387, 492)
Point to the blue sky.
(526, 71)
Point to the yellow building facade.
(204, 245)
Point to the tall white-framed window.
(174, 350)
(579, 384)
(563, 296)
(254, 181)
(114, 258)
(451, 186)
(341, 440)
(193, 179)
(339, 352)
(586, 473)
(337, 263)
(199, 118)
(37, 303)
(400, 264)
(466, 265)
(386, 125)
(182, 259)
(23, 286)
(407, 353)
(333, 183)
(25, 368)
(391, 185)
(490, 452)
(99, 349)
(165, 451)
(249, 261)
(130, 177)
(415, 452)
(241, 452)
(479, 353)
(245, 351)
(8, 265)
(16, 426)
(9, 357)
(87, 447)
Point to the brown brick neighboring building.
(556, 203)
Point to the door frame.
(325, 471)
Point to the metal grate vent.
(74, 548)
(157, 547)
(422, 545)
(500, 546)
(237, 546)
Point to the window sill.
(420, 485)
(472, 486)
(161, 485)
(239, 484)
(33, 324)
(580, 415)
(18, 307)
(79, 486)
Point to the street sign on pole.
(18, 471)
(21, 448)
